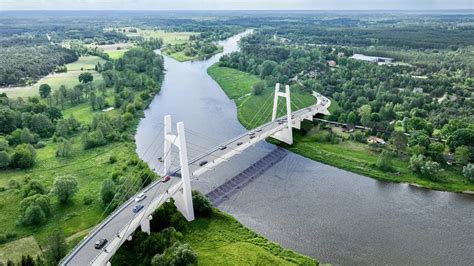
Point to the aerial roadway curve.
(120, 225)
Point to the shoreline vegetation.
(348, 155)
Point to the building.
(375, 140)
(331, 63)
(373, 59)
(349, 128)
(418, 90)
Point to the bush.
(33, 215)
(112, 159)
(178, 254)
(64, 187)
(258, 88)
(40, 145)
(3, 238)
(385, 161)
(88, 199)
(107, 191)
(23, 157)
(33, 187)
(468, 171)
(4, 159)
(202, 205)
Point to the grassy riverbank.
(222, 240)
(348, 155)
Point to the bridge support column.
(182, 198)
(145, 225)
(285, 135)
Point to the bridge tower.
(285, 135)
(183, 197)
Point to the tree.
(399, 140)
(4, 159)
(201, 204)
(462, 155)
(435, 151)
(86, 77)
(429, 168)
(64, 148)
(26, 136)
(419, 138)
(258, 88)
(351, 118)
(460, 137)
(32, 188)
(33, 215)
(8, 119)
(65, 187)
(365, 112)
(468, 171)
(42, 125)
(23, 156)
(57, 247)
(416, 162)
(44, 90)
(178, 254)
(107, 191)
(385, 161)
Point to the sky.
(234, 4)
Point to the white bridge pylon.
(183, 198)
(285, 135)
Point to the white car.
(140, 197)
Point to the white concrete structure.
(120, 225)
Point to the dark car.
(252, 136)
(166, 179)
(137, 208)
(202, 163)
(239, 143)
(100, 243)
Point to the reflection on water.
(328, 213)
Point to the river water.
(333, 215)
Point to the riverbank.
(348, 155)
(222, 240)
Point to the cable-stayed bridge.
(119, 226)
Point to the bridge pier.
(145, 225)
(183, 198)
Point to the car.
(252, 137)
(251, 133)
(239, 143)
(100, 243)
(166, 179)
(258, 130)
(137, 208)
(222, 148)
(202, 163)
(140, 197)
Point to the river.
(333, 215)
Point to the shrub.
(107, 191)
(3, 238)
(178, 254)
(4, 159)
(64, 187)
(112, 159)
(40, 144)
(258, 88)
(88, 199)
(33, 187)
(468, 171)
(202, 205)
(23, 157)
(33, 215)
(385, 161)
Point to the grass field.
(222, 240)
(352, 156)
(116, 54)
(254, 110)
(15, 249)
(69, 79)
